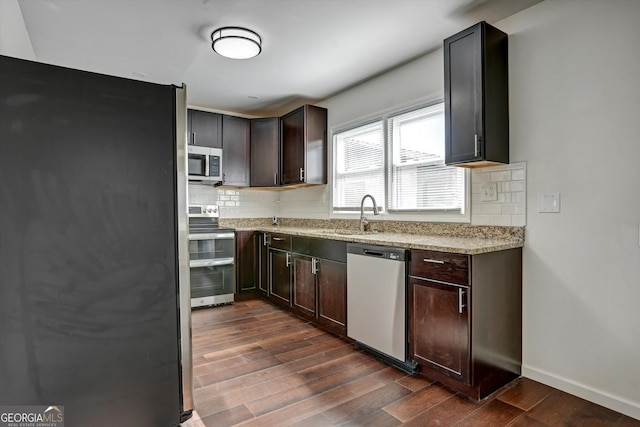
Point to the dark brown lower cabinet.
(309, 277)
(465, 318)
(280, 276)
(332, 295)
(304, 285)
(246, 261)
(320, 291)
(440, 328)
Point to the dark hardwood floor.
(255, 365)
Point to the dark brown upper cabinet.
(265, 152)
(235, 151)
(304, 146)
(476, 97)
(204, 128)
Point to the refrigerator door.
(89, 276)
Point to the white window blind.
(358, 165)
(418, 178)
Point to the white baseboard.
(616, 403)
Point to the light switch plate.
(549, 202)
(488, 192)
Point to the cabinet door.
(304, 285)
(235, 153)
(332, 295)
(293, 147)
(246, 261)
(439, 329)
(280, 275)
(265, 152)
(463, 96)
(205, 128)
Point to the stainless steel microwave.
(204, 164)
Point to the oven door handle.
(211, 236)
(210, 262)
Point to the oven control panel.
(204, 211)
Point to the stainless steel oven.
(211, 258)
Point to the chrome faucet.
(363, 219)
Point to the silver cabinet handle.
(278, 239)
(433, 261)
(288, 259)
(267, 239)
(314, 265)
(275, 178)
(301, 174)
(475, 144)
(460, 304)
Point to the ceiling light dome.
(236, 42)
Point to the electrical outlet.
(488, 192)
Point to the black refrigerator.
(94, 300)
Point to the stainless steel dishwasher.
(376, 301)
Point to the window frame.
(425, 215)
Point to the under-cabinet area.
(460, 313)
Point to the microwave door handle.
(206, 165)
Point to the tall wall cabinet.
(304, 146)
(476, 97)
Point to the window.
(358, 166)
(399, 159)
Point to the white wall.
(575, 119)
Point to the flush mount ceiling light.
(236, 42)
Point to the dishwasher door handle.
(372, 253)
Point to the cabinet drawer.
(446, 267)
(281, 241)
(334, 250)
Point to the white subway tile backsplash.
(481, 178)
(315, 202)
(500, 176)
(518, 220)
(492, 208)
(519, 197)
(515, 186)
(504, 197)
(510, 207)
(513, 209)
(517, 175)
(504, 220)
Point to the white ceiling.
(311, 49)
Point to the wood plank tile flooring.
(255, 365)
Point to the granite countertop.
(464, 242)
